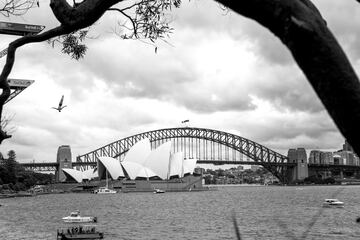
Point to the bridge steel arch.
(274, 162)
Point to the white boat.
(157, 190)
(105, 190)
(76, 218)
(332, 202)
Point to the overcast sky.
(219, 70)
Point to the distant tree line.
(14, 177)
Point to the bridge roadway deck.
(50, 166)
(215, 162)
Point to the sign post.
(18, 85)
(20, 29)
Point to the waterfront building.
(320, 157)
(347, 146)
(348, 157)
(338, 160)
(314, 157)
(326, 158)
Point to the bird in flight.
(60, 107)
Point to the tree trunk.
(301, 28)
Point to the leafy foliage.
(145, 19)
(149, 20)
(14, 177)
(72, 44)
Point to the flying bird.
(60, 107)
(185, 121)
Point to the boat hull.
(104, 190)
(66, 236)
(333, 205)
(80, 220)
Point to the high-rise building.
(326, 158)
(314, 157)
(329, 159)
(347, 146)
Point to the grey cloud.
(210, 18)
(281, 133)
(287, 88)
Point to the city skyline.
(219, 70)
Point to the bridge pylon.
(63, 158)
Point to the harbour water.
(270, 212)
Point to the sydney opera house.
(143, 169)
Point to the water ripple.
(261, 213)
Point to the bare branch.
(16, 7)
(6, 121)
(127, 16)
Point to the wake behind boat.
(332, 202)
(76, 218)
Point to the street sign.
(20, 29)
(19, 83)
(3, 52)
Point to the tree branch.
(16, 7)
(127, 16)
(10, 62)
(299, 25)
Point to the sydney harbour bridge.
(208, 146)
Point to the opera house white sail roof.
(73, 173)
(110, 164)
(189, 165)
(139, 162)
(135, 158)
(158, 160)
(80, 176)
(176, 165)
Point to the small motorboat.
(332, 202)
(157, 190)
(104, 190)
(79, 232)
(76, 218)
